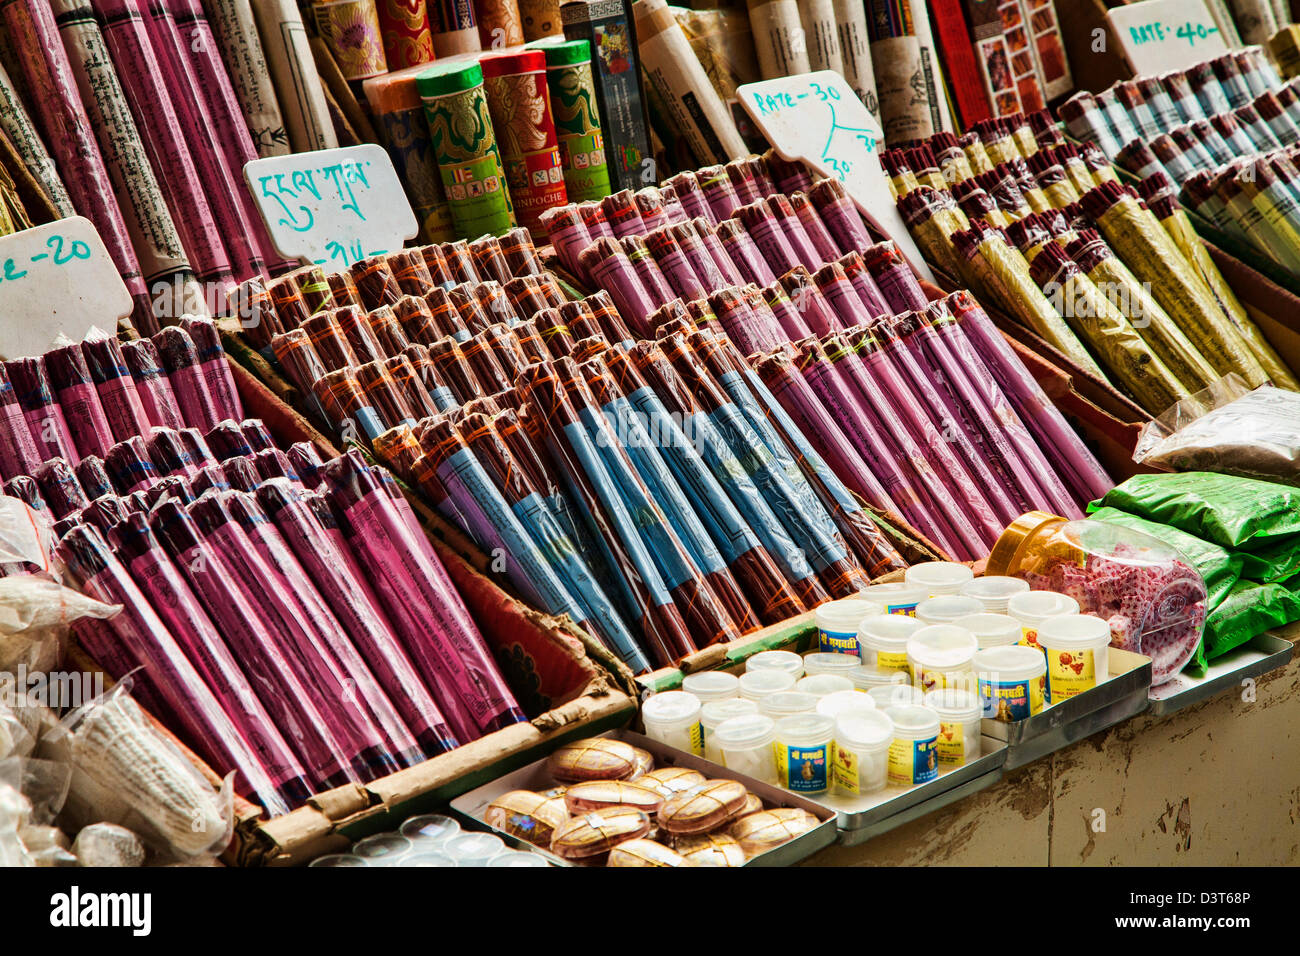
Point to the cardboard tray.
(1122, 696)
(471, 806)
(1264, 653)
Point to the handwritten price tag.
(57, 279)
(817, 118)
(332, 207)
(1161, 35)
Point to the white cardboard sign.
(817, 118)
(57, 279)
(1161, 35)
(332, 207)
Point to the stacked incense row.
(801, 268)
(655, 492)
(80, 399)
(1043, 230)
(285, 615)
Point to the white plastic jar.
(1078, 654)
(746, 746)
(786, 704)
(715, 713)
(711, 685)
(1032, 608)
(818, 663)
(898, 695)
(673, 718)
(845, 702)
(938, 577)
(1012, 680)
(946, 608)
(803, 752)
(942, 656)
(837, 624)
(786, 661)
(959, 713)
(819, 685)
(866, 676)
(896, 597)
(882, 641)
(755, 685)
(473, 849)
(861, 752)
(384, 849)
(994, 591)
(913, 755)
(991, 630)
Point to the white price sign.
(1161, 35)
(332, 207)
(817, 118)
(57, 279)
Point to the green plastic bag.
(1249, 610)
(1235, 513)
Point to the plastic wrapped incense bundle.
(410, 272)
(93, 478)
(786, 490)
(59, 487)
(580, 320)
(525, 294)
(976, 203)
(23, 487)
(1274, 114)
(569, 235)
(383, 395)
(486, 369)
(285, 692)
(856, 269)
(375, 282)
(190, 672)
(185, 374)
(741, 249)
(450, 364)
(607, 264)
(992, 264)
(427, 386)
(1145, 314)
(622, 215)
(1135, 234)
(520, 252)
(169, 455)
(209, 477)
(690, 195)
(750, 333)
(18, 451)
(129, 466)
(713, 269)
(240, 474)
(44, 417)
(388, 332)
(716, 186)
(768, 235)
(823, 245)
(892, 275)
(75, 394)
(354, 325)
(214, 366)
(288, 306)
(556, 335)
(791, 320)
(644, 451)
(593, 217)
(650, 206)
(326, 339)
(118, 398)
(902, 178)
(932, 218)
(572, 451)
(1233, 84)
(841, 296)
(647, 270)
(673, 264)
(1181, 231)
(807, 299)
(495, 303)
(489, 261)
(607, 314)
(840, 215)
(446, 316)
(342, 397)
(435, 262)
(529, 342)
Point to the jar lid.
(787, 702)
(820, 663)
(993, 587)
(914, 720)
(1074, 632)
(762, 683)
(845, 614)
(714, 712)
(1041, 605)
(383, 845)
(888, 629)
(894, 695)
(671, 705)
(1011, 661)
(443, 79)
(991, 630)
(805, 727)
(954, 702)
(743, 733)
(566, 52)
(787, 661)
(515, 858)
(1006, 552)
(946, 607)
(938, 574)
(866, 676)
(942, 645)
(845, 702)
(711, 685)
(819, 685)
(515, 61)
(867, 729)
(430, 827)
(893, 592)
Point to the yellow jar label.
(697, 739)
(952, 743)
(912, 761)
(1070, 673)
(845, 767)
(1029, 637)
(1012, 700)
(888, 661)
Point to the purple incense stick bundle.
(766, 230)
(622, 215)
(743, 181)
(856, 269)
(789, 176)
(18, 451)
(673, 208)
(185, 374)
(93, 477)
(894, 277)
(712, 246)
(809, 302)
(241, 474)
(569, 235)
(805, 251)
(840, 215)
(687, 189)
(215, 367)
(593, 217)
(790, 318)
(256, 434)
(823, 245)
(118, 396)
(129, 466)
(647, 269)
(608, 265)
(840, 295)
(272, 463)
(704, 267)
(649, 203)
(75, 392)
(104, 512)
(436, 628)
(750, 331)
(179, 692)
(171, 488)
(319, 741)
(745, 256)
(210, 477)
(718, 191)
(673, 264)
(59, 487)
(44, 416)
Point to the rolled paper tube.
(526, 295)
(38, 51)
(59, 487)
(17, 125)
(455, 28)
(746, 256)
(436, 628)
(18, 450)
(364, 623)
(383, 395)
(93, 478)
(42, 412)
(284, 692)
(197, 678)
(446, 316)
(244, 56)
(621, 213)
(576, 112)
(404, 26)
(468, 157)
(298, 87)
(644, 453)
(74, 390)
(453, 368)
(521, 254)
(350, 28)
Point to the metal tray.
(1122, 696)
(867, 816)
(1259, 656)
(471, 805)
